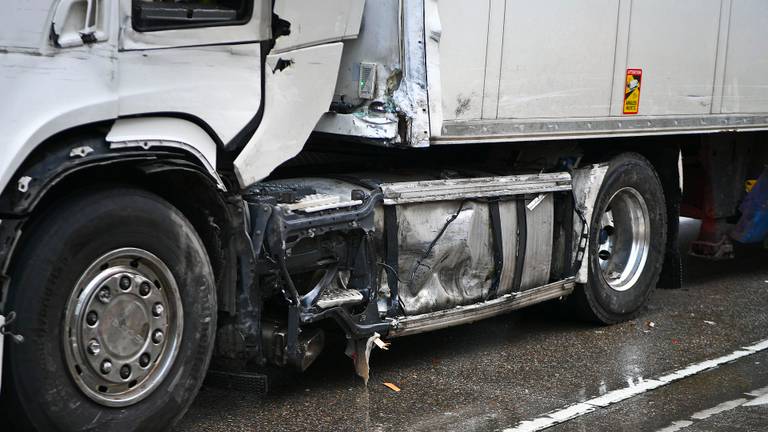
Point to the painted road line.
(633, 389)
(760, 398)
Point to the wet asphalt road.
(493, 374)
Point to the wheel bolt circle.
(144, 289)
(125, 372)
(106, 367)
(125, 283)
(157, 310)
(157, 336)
(144, 360)
(104, 295)
(94, 347)
(92, 318)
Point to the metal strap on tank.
(522, 235)
(583, 240)
(498, 248)
(390, 239)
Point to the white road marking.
(723, 407)
(579, 409)
(760, 398)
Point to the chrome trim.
(508, 130)
(466, 314)
(482, 187)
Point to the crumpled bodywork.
(458, 269)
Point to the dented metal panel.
(458, 267)
(586, 187)
(375, 118)
(299, 89)
(411, 96)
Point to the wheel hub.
(123, 327)
(623, 239)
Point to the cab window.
(149, 15)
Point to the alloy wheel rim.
(623, 239)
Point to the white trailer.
(222, 179)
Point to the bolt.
(157, 337)
(106, 367)
(125, 372)
(105, 295)
(92, 318)
(144, 360)
(144, 289)
(125, 283)
(157, 310)
(94, 347)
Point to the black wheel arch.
(175, 174)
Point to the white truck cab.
(198, 184)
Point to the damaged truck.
(235, 181)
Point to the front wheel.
(626, 242)
(115, 296)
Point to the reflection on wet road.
(495, 374)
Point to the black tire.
(39, 391)
(596, 300)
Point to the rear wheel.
(626, 242)
(115, 296)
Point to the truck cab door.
(199, 60)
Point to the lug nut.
(157, 310)
(92, 318)
(157, 336)
(105, 295)
(604, 255)
(94, 347)
(125, 372)
(106, 367)
(144, 360)
(144, 289)
(125, 283)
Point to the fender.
(165, 132)
(135, 142)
